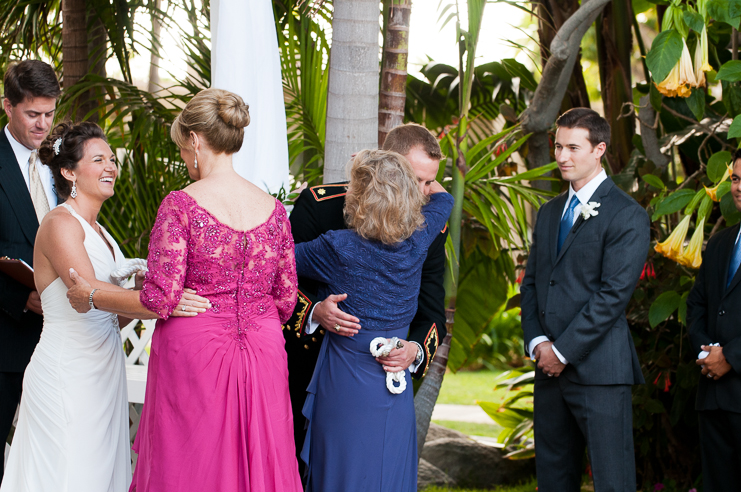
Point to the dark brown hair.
(30, 79)
(71, 150)
(218, 116)
(589, 120)
(404, 138)
(736, 156)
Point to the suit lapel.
(554, 222)
(599, 196)
(726, 250)
(12, 182)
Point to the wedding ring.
(183, 308)
(337, 327)
(550, 375)
(710, 376)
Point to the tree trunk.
(614, 48)
(154, 59)
(83, 52)
(394, 72)
(426, 397)
(546, 103)
(352, 99)
(74, 42)
(553, 13)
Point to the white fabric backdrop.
(245, 60)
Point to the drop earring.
(195, 159)
(73, 193)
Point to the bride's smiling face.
(96, 172)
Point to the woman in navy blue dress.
(360, 436)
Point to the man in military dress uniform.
(320, 209)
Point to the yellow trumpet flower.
(681, 79)
(672, 247)
(692, 256)
(701, 59)
(713, 192)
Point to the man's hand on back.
(330, 316)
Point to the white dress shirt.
(22, 155)
(583, 195)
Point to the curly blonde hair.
(383, 202)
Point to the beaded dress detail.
(217, 412)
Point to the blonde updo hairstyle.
(216, 115)
(383, 202)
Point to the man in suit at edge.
(26, 194)
(580, 275)
(713, 317)
(320, 209)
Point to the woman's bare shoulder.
(59, 227)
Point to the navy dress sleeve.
(318, 259)
(436, 212)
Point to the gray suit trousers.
(570, 417)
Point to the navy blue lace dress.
(360, 437)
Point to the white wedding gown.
(73, 426)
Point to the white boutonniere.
(588, 210)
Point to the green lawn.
(465, 387)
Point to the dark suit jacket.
(19, 331)
(320, 209)
(577, 298)
(714, 316)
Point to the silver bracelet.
(90, 299)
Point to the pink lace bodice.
(241, 272)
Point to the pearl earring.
(195, 158)
(73, 193)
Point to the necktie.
(567, 221)
(735, 262)
(38, 195)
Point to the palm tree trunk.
(614, 48)
(394, 72)
(154, 59)
(352, 99)
(74, 42)
(83, 52)
(426, 396)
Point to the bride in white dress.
(73, 425)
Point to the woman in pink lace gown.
(217, 413)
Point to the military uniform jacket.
(714, 316)
(19, 331)
(319, 210)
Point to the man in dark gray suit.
(714, 320)
(588, 251)
(26, 194)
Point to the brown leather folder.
(18, 270)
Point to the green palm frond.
(304, 58)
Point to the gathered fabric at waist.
(360, 343)
(240, 330)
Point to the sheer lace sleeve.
(285, 287)
(167, 260)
